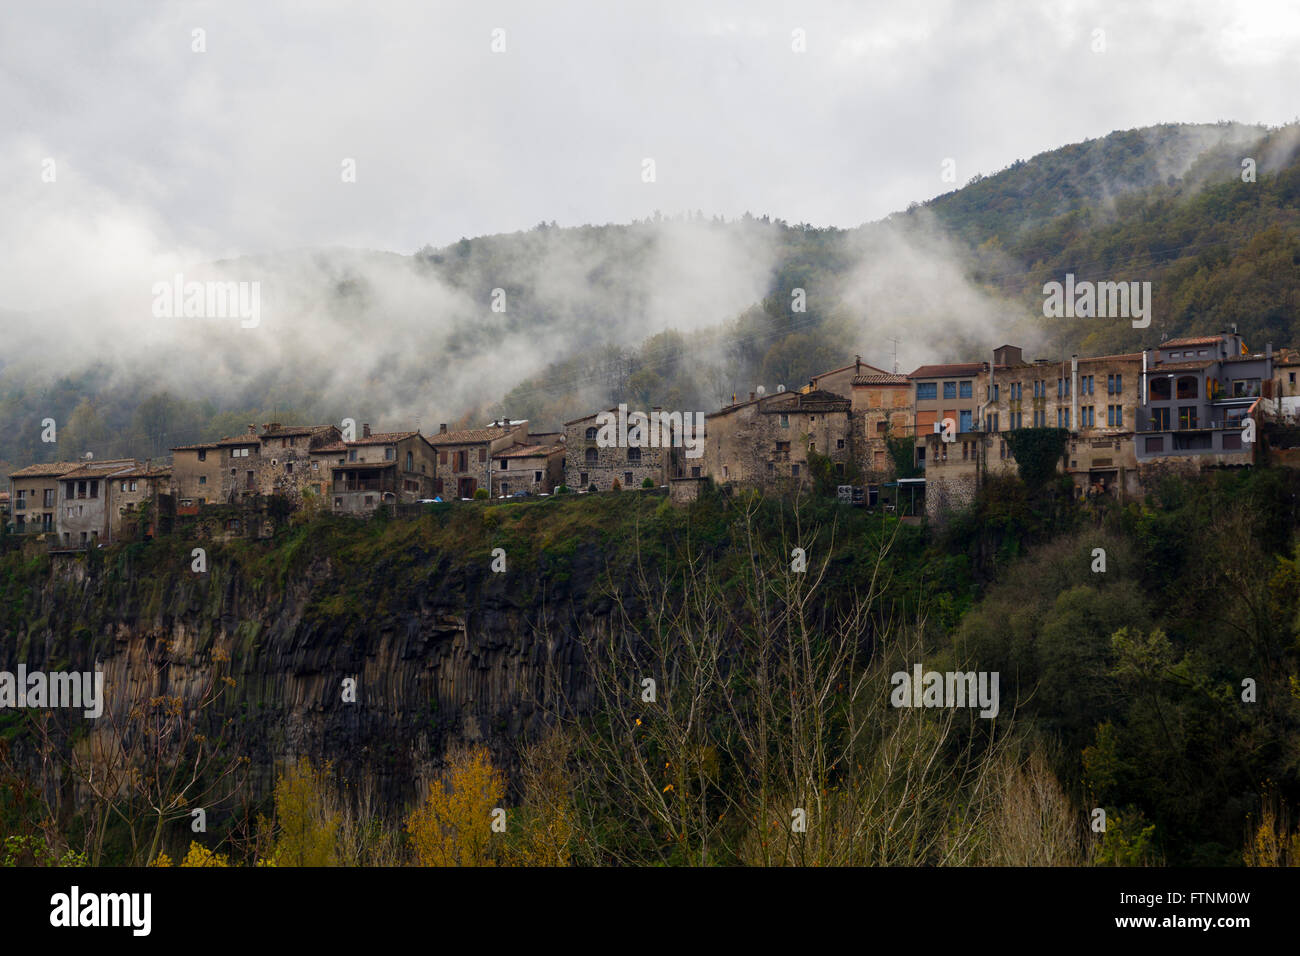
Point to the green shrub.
(648, 482)
(481, 494)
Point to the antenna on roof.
(895, 341)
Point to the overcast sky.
(163, 155)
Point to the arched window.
(1188, 387)
(410, 461)
(591, 433)
(634, 454)
(592, 456)
(1160, 391)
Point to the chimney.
(365, 430)
(751, 396)
(857, 364)
(252, 429)
(442, 429)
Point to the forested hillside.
(686, 310)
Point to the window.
(926, 391)
(442, 457)
(410, 461)
(1002, 449)
(634, 454)
(1115, 416)
(1161, 389)
(785, 421)
(949, 389)
(482, 454)
(627, 479)
(1085, 385)
(1160, 419)
(1155, 444)
(203, 454)
(965, 453)
(783, 448)
(1017, 391)
(315, 466)
(203, 479)
(794, 471)
(1062, 418)
(993, 422)
(390, 454)
(504, 463)
(592, 456)
(48, 498)
(352, 454)
(288, 468)
(1088, 417)
(591, 433)
(839, 443)
(338, 502)
(996, 388)
(1119, 384)
(964, 420)
(964, 389)
(537, 477)
(582, 479)
(1187, 416)
(1188, 387)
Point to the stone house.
(840, 381)
(217, 472)
(286, 464)
(378, 468)
(883, 406)
(765, 441)
(535, 465)
(587, 463)
(88, 502)
(34, 496)
(142, 503)
(465, 456)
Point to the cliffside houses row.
(1179, 406)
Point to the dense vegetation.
(1149, 657)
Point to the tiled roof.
(529, 451)
(48, 470)
(290, 431)
(378, 438)
(1183, 366)
(201, 446)
(470, 436)
(882, 379)
(938, 371)
(1197, 340)
(239, 440)
(102, 469)
(382, 438)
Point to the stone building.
(142, 504)
(587, 463)
(1095, 399)
(34, 496)
(840, 381)
(286, 464)
(88, 502)
(465, 456)
(883, 406)
(535, 465)
(765, 441)
(378, 468)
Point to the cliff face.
(444, 651)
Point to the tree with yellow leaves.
(454, 825)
